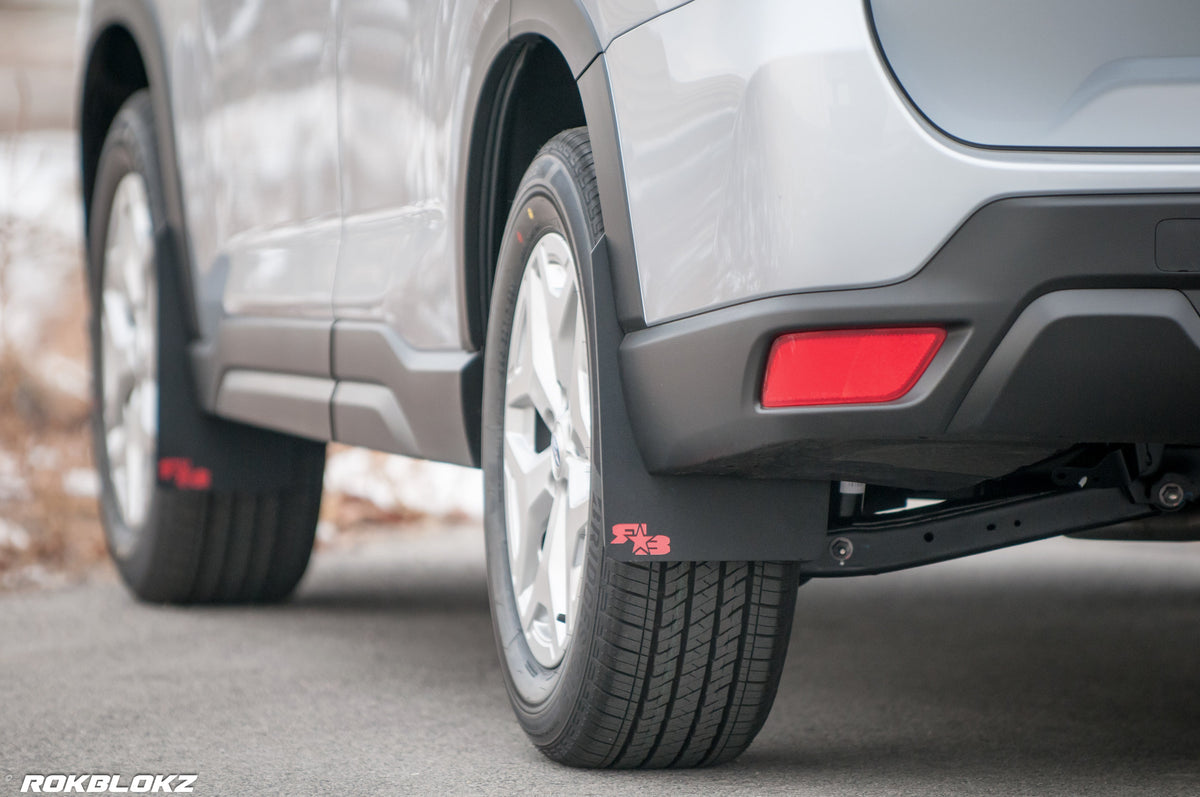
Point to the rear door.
(271, 137)
(404, 72)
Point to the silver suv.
(721, 295)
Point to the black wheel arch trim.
(568, 27)
(565, 23)
(139, 19)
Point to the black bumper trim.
(693, 385)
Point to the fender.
(570, 27)
(140, 20)
(565, 23)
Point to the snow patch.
(41, 224)
(395, 482)
(42, 457)
(326, 531)
(13, 536)
(39, 180)
(81, 483)
(65, 375)
(13, 486)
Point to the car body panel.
(405, 72)
(270, 136)
(767, 151)
(614, 17)
(1050, 73)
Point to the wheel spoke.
(528, 383)
(114, 443)
(119, 332)
(554, 555)
(528, 504)
(547, 391)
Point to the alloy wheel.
(547, 449)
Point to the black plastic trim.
(262, 343)
(1092, 365)
(596, 91)
(430, 395)
(490, 82)
(565, 23)
(693, 384)
(140, 20)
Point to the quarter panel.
(766, 151)
(614, 17)
(1050, 73)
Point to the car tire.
(173, 535)
(629, 665)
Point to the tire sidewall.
(544, 698)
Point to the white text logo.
(108, 784)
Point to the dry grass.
(45, 435)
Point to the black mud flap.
(687, 518)
(197, 450)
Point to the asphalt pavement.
(1063, 667)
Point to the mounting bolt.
(1170, 495)
(841, 549)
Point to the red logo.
(183, 474)
(643, 544)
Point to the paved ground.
(1063, 667)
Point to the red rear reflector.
(848, 366)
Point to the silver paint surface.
(405, 71)
(765, 146)
(268, 130)
(614, 17)
(1050, 73)
(767, 151)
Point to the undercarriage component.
(954, 531)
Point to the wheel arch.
(528, 96)
(124, 54)
(547, 76)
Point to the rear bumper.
(766, 150)
(1064, 328)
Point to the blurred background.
(49, 531)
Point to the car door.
(404, 71)
(271, 137)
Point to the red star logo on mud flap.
(644, 544)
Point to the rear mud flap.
(688, 518)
